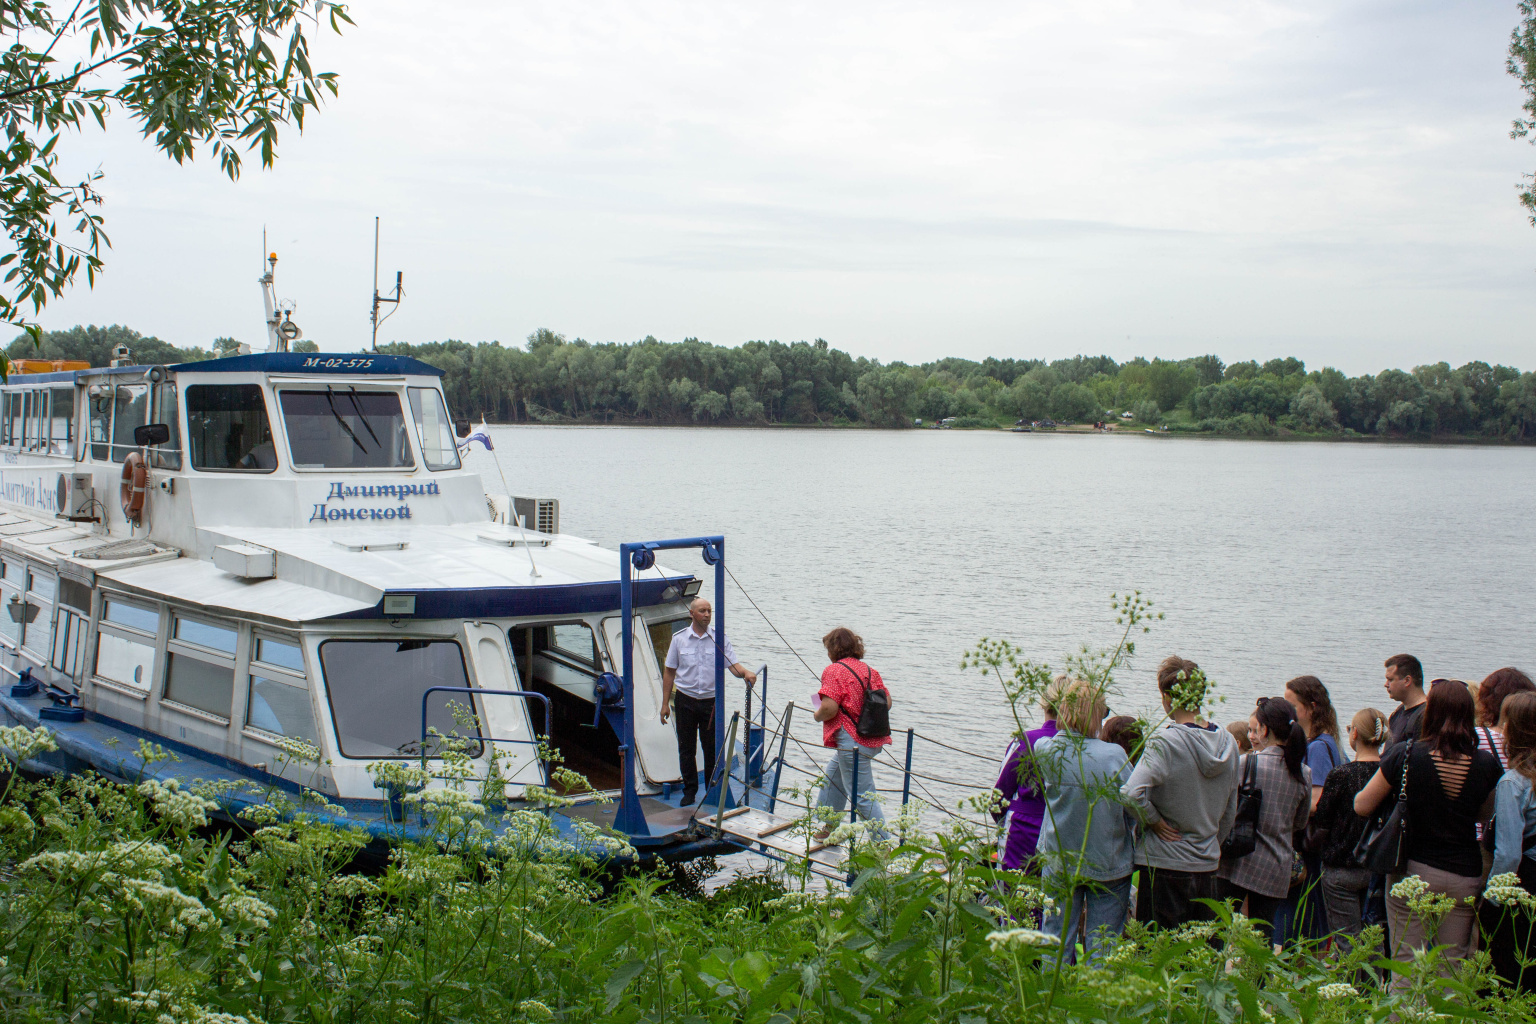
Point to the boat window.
(125, 647)
(10, 594)
(346, 429)
(198, 676)
(279, 699)
(661, 638)
(15, 418)
(376, 686)
(146, 620)
(167, 455)
(34, 420)
(100, 411)
(62, 431)
(574, 640)
(219, 638)
(280, 653)
(228, 429)
(35, 634)
(130, 410)
(68, 641)
(439, 449)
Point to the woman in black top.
(1450, 790)
(1336, 828)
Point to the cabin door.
(505, 718)
(655, 743)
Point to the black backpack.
(1244, 837)
(875, 716)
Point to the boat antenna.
(378, 299)
(507, 490)
(276, 342)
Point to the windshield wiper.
(366, 426)
(331, 401)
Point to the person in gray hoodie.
(1184, 792)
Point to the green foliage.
(1522, 64)
(95, 344)
(220, 74)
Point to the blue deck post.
(906, 781)
(629, 818)
(714, 554)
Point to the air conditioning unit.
(541, 514)
(76, 498)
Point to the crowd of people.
(1273, 817)
(1164, 822)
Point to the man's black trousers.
(695, 725)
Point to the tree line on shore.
(555, 379)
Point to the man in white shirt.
(690, 670)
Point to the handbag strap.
(1402, 787)
(1250, 771)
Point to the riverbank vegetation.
(120, 903)
(559, 380)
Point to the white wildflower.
(535, 1010)
(537, 938)
(180, 807)
(1017, 938)
(1505, 890)
(22, 744)
(247, 912)
(1421, 899)
(1337, 990)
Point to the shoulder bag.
(874, 722)
(1244, 837)
(1383, 846)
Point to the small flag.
(480, 436)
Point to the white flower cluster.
(1419, 1015)
(22, 744)
(299, 751)
(1422, 900)
(1020, 938)
(182, 808)
(180, 912)
(538, 939)
(246, 912)
(1505, 890)
(1337, 990)
(792, 901)
(535, 1010)
(397, 775)
(171, 1008)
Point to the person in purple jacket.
(1022, 808)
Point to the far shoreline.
(1438, 441)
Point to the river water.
(1269, 560)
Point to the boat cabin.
(225, 555)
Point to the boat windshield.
(346, 429)
(375, 688)
(438, 448)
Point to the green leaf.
(619, 980)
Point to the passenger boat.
(223, 557)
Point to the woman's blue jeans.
(1107, 904)
(840, 771)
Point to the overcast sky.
(1330, 179)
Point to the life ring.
(135, 486)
